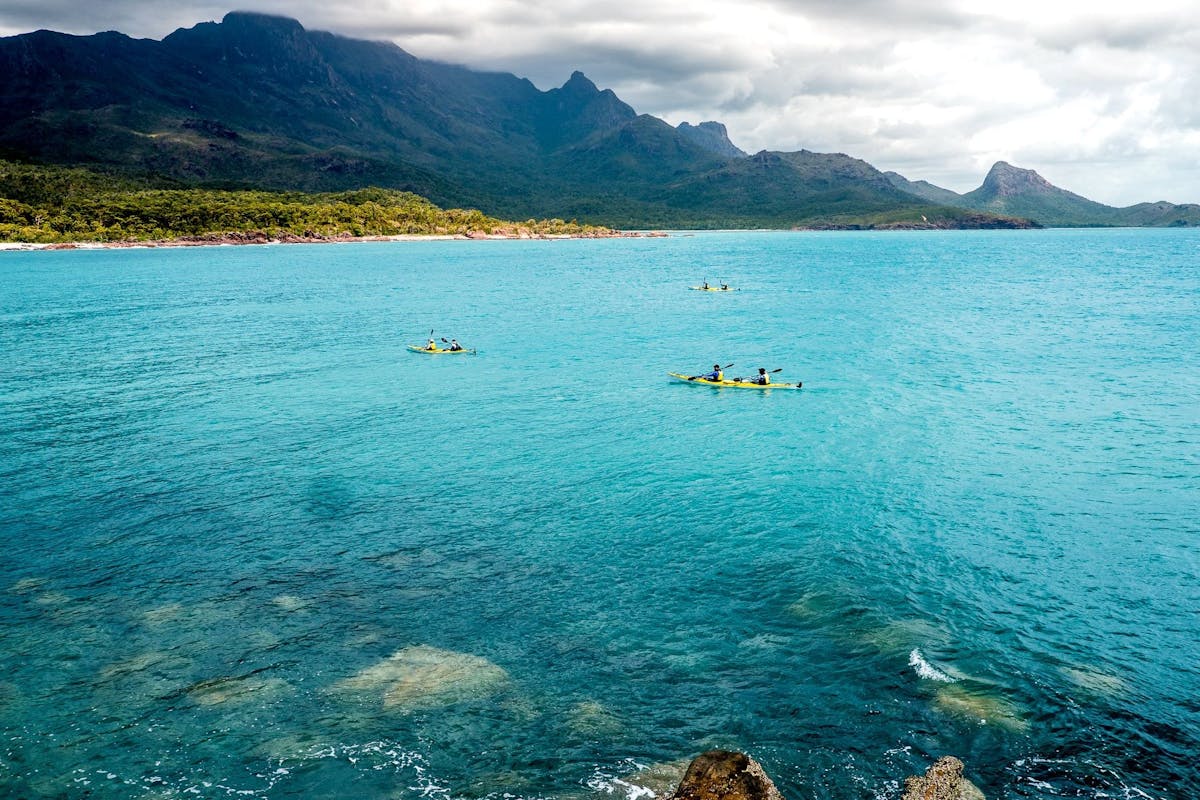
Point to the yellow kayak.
(416, 348)
(733, 384)
(713, 289)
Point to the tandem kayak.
(713, 289)
(733, 384)
(416, 348)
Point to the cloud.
(1100, 97)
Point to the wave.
(926, 670)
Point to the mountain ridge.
(1007, 189)
(257, 101)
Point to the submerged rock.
(960, 699)
(942, 781)
(289, 602)
(52, 599)
(26, 585)
(903, 635)
(816, 605)
(236, 689)
(162, 614)
(423, 677)
(591, 718)
(725, 775)
(155, 662)
(1095, 681)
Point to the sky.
(1101, 98)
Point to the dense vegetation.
(46, 204)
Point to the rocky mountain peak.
(1005, 180)
(261, 23)
(276, 44)
(578, 109)
(579, 84)
(712, 136)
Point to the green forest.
(50, 204)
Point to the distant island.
(256, 121)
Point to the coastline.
(264, 238)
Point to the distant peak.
(259, 18)
(1005, 180)
(713, 127)
(579, 83)
(712, 136)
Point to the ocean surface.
(252, 547)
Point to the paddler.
(762, 379)
(431, 345)
(455, 346)
(715, 376)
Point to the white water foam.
(604, 781)
(925, 669)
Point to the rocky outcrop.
(1005, 180)
(725, 775)
(712, 136)
(942, 781)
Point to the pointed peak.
(1002, 167)
(579, 83)
(1004, 180)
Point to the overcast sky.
(1101, 98)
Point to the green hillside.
(56, 204)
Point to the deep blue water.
(254, 547)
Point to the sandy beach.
(262, 238)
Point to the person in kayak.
(431, 345)
(715, 376)
(454, 345)
(762, 378)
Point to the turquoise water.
(253, 547)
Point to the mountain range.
(258, 101)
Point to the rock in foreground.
(943, 781)
(725, 775)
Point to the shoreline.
(263, 238)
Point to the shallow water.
(253, 547)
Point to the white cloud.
(1100, 97)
